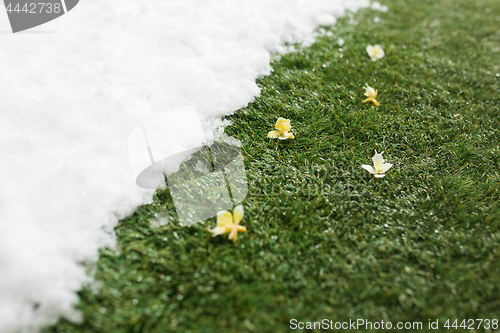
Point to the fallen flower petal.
(375, 52)
(228, 223)
(283, 130)
(372, 95)
(380, 167)
(273, 134)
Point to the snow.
(71, 92)
(377, 6)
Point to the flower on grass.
(229, 223)
(283, 130)
(372, 95)
(375, 52)
(380, 166)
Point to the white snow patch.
(69, 99)
(377, 6)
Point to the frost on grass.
(70, 99)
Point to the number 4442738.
(473, 324)
(34, 8)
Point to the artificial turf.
(325, 239)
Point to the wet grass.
(325, 240)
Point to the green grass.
(324, 239)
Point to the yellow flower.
(375, 52)
(227, 223)
(372, 95)
(283, 130)
(380, 166)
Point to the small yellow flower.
(380, 166)
(372, 95)
(227, 223)
(283, 130)
(375, 52)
